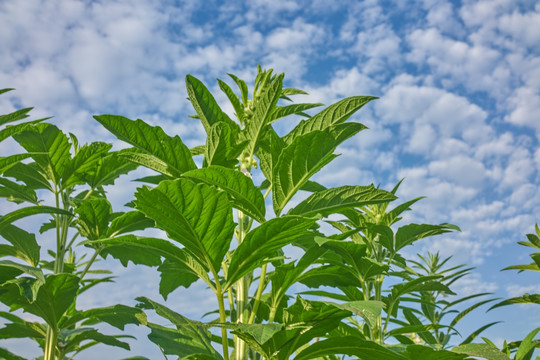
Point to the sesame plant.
(230, 211)
(70, 177)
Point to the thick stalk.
(241, 295)
(50, 344)
(222, 317)
(262, 280)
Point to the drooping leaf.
(128, 222)
(196, 215)
(334, 114)
(208, 111)
(22, 329)
(25, 246)
(117, 315)
(73, 337)
(293, 109)
(261, 243)
(408, 234)
(7, 355)
(174, 274)
(152, 140)
(30, 174)
(419, 352)
(240, 188)
(334, 200)
(16, 192)
(30, 210)
(9, 161)
(10, 266)
(189, 338)
(299, 161)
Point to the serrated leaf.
(205, 105)
(16, 192)
(299, 161)
(128, 222)
(408, 234)
(264, 106)
(117, 315)
(174, 274)
(334, 200)
(221, 146)
(237, 105)
(83, 161)
(198, 216)
(73, 337)
(293, 109)
(240, 188)
(15, 116)
(30, 174)
(93, 218)
(7, 265)
(334, 114)
(9, 161)
(7, 355)
(53, 146)
(419, 352)
(524, 299)
(106, 170)
(270, 147)
(261, 243)
(152, 140)
(22, 329)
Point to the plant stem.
(50, 344)
(90, 262)
(258, 295)
(241, 294)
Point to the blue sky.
(458, 114)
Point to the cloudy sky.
(457, 118)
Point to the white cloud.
(461, 170)
(524, 28)
(525, 105)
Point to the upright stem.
(258, 295)
(241, 295)
(50, 344)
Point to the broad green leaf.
(7, 265)
(15, 116)
(205, 105)
(117, 315)
(30, 210)
(348, 345)
(408, 234)
(334, 200)
(107, 169)
(264, 106)
(16, 192)
(84, 160)
(22, 329)
(334, 114)
(196, 215)
(529, 267)
(47, 139)
(128, 222)
(73, 337)
(524, 299)
(242, 86)
(239, 187)
(24, 244)
(293, 109)
(18, 292)
(15, 129)
(9, 161)
(174, 274)
(151, 162)
(483, 351)
(152, 140)
(221, 146)
(329, 275)
(189, 338)
(369, 310)
(299, 161)
(54, 297)
(93, 218)
(261, 243)
(261, 333)
(148, 251)
(270, 147)
(30, 174)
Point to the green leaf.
(93, 218)
(84, 160)
(299, 161)
(334, 200)
(9, 161)
(524, 299)
(25, 246)
(107, 169)
(240, 188)
(242, 86)
(264, 106)
(348, 345)
(15, 116)
(221, 146)
(8, 266)
(334, 114)
(117, 315)
(16, 192)
(261, 243)
(205, 105)
(527, 345)
(237, 105)
(369, 310)
(6, 355)
(293, 109)
(30, 174)
(189, 338)
(54, 297)
(15, 129)
(53, 145)
(30, 210)
(152, 140)
(128, 222)
(261, 333)
(270, 147)
(408, 234)
(73, 337)
(196, 215)
(173, 275)
(22, 329)
(477, 332)
(419, 352)
(484, 351)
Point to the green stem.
(50, 344)
(241, 294)
(258, 295)
(90, 262)
(222, 318)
